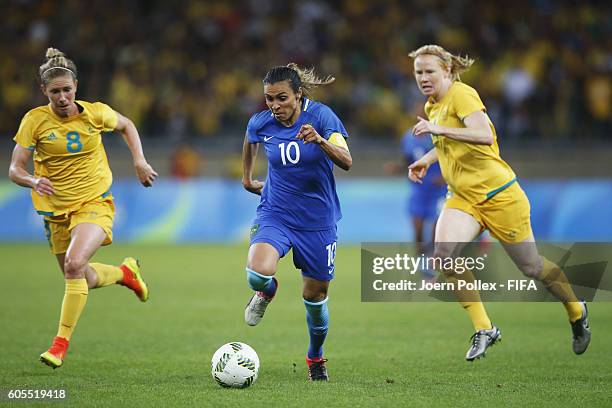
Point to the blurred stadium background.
(189, 74)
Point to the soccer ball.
(235, 365)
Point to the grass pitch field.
(125, 353)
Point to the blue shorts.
(314, 252)
(425, 206)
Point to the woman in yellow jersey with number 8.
(483, 192)
(71, 188)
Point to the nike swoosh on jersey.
(267, 138)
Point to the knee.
(74, 267)
(314, 295)
(532, 270)
(262, 268)
(444, 249)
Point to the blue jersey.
(413, 149)
(300, 190)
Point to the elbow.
(348, 163)
(246, 183)
(12, 174)
(489, 139)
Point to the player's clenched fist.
(309, 134)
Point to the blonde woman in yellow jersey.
(71, 188)
(482, 192)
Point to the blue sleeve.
(252, 128)
(330, 123)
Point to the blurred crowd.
(187, 70)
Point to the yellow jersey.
(69, 152)
(474, 172)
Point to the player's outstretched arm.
(249, 154)
(19, 175)
(477, 130)
(336, 150)
(418, 169)
(144, 171)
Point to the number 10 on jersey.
(291, 154)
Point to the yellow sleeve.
(107, 116)
(338, 140)
(26, 136)
(467, 101)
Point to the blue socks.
(317, 314)
(261, 283)
(317, 318)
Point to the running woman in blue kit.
(299, 207)
(426, 199)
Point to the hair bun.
(53, 53)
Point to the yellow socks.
(107, 274)
(556, 282)
(75, 298)
(478, 315)
(470, 300)
(552, 276)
